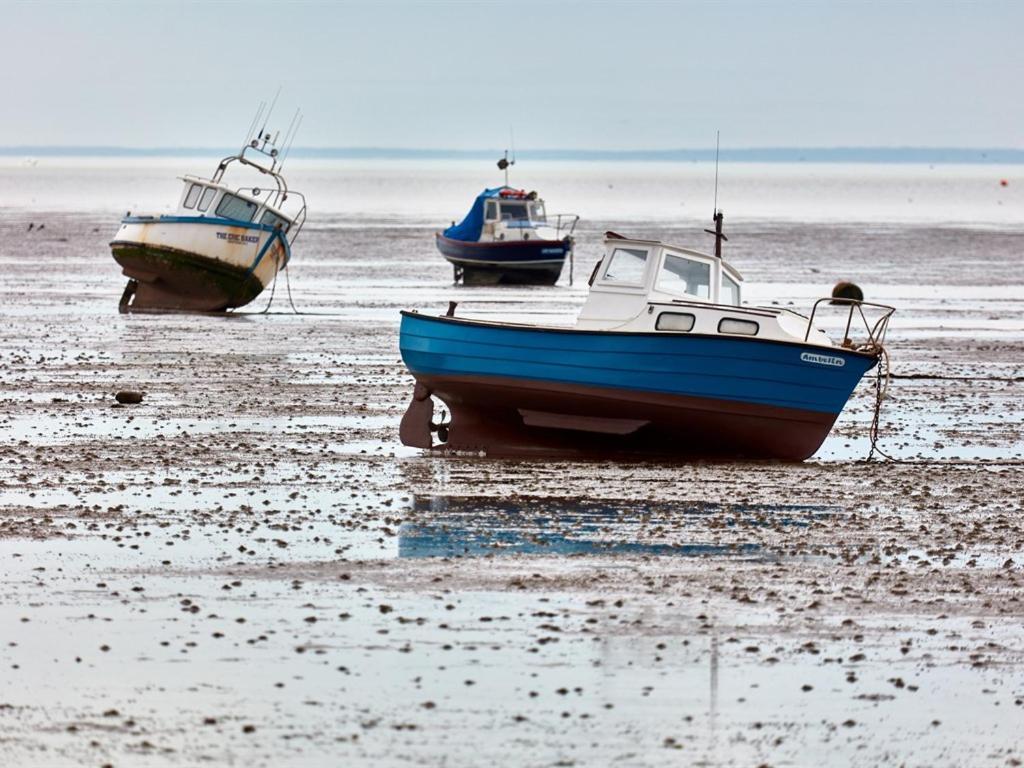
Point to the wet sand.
(247, 568)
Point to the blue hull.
(509, 262)
(675, 393)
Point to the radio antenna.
(270, 111)
(716, 215)
(255, 120)
(288, 133)
(291, 141)
(714, 212)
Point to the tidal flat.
(248, 568)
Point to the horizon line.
(839, 153)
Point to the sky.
(460, 75)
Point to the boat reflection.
(451, 526)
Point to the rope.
(273, 287)
(288, 284)
(882, 378)
(932, 377)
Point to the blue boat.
(508, 239)
(664, 359)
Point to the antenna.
(255, 120)
(512, 143)
(294, 134)
(263, 130)
(288, 133)
(716, 215)
(714, 211)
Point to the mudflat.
(247, 567)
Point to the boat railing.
(298, 220)
(277, 201)
(874, 329)
(564, 222)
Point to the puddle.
(446, 526)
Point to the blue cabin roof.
(469, 229)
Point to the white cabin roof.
(634, 272)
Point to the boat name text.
(231, 237)
(811, 357)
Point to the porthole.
(675, 321)
(738, 327)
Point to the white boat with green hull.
(221, 247)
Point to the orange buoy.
(1004, 183)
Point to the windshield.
(271, 219)
(537, 211)
(626, 265)
(681, 275)
(234, 207)
(514, 212)
(730, 291)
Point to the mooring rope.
(288, 285)
(273, 287)
(882, 378)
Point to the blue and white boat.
(508, 238)
(223, 245)
(665, 358)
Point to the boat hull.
(506, 262)
(515, 391)
(195, 264)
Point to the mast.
(717, 232)
(504, 163)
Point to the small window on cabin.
(675, 321)
(271, 219)
(193, 195)
(730, 291)
(537, 212)
(626, 266)
(237, 208)
(738, 327)
(514, 212)
(682, 275)
(208, 194)
(492, 211)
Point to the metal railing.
(298, 218)
(566, 221)
(875, 330)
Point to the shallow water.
(251, 546)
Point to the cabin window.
(514, 212)
(626, 265)
(193, 195)
(271, 219)
(675, 321)
(491, 211)
(235, 207)
(208, 194)
(682, 275)
(739, 327)
(537, 212)
(730, 291)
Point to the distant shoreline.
(927, 155)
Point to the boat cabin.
(650, 286)
(202, 197)
(516, 208)
(514, 214)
